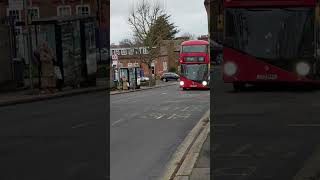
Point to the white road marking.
(304, 125)
(163, 93)
(116, 122)
(185, 109)
(171, 116)
(81, 125)
(160, 116)
(175, 116)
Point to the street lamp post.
(99, 29)
(29, 43)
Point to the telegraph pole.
(29, 43)
(99, 22)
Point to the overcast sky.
(189, 15)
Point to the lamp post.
(99, 29)
(29, 43)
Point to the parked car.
(169, 77)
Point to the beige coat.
(48, 79)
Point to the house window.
(129, 64)
(113, 52)
(18, 30)
(136, 51)
(131, 51)
(165, 66)
(64, 10)
(34, 13)
(144, 50)
(136, 64)
(15, 13)
(83, 10)
(123, 52)
(117, 52)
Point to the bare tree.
(189, 35)
(150, 24)
(125, 42)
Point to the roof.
(60, 19)
(195, 42)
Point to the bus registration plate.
(267, 76)
(193, 85)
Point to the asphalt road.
(260, 133)
(147, 127)
(63, 139)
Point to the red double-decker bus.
(270, 41)
(194, 64)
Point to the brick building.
(38, 9)
(167, 61)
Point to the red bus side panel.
(250, 69)
(251, 3)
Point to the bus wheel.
(238, 86)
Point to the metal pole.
(99, 15)
(29, 43)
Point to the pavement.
(201, 169)
(147, 127)
(28, 96)
(264, 133)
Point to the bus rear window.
(195, 48)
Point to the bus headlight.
(181, 83)
(230, 68)
(303, 68)
(204, 83)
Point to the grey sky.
(189, 15)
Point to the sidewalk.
(27, 96)
(191, 160)
(201, 170)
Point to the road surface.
(262, 134)
(63, 139)
(148, 126)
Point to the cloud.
(189, 15)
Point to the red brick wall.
(158, 64)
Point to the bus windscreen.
(195, 72)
